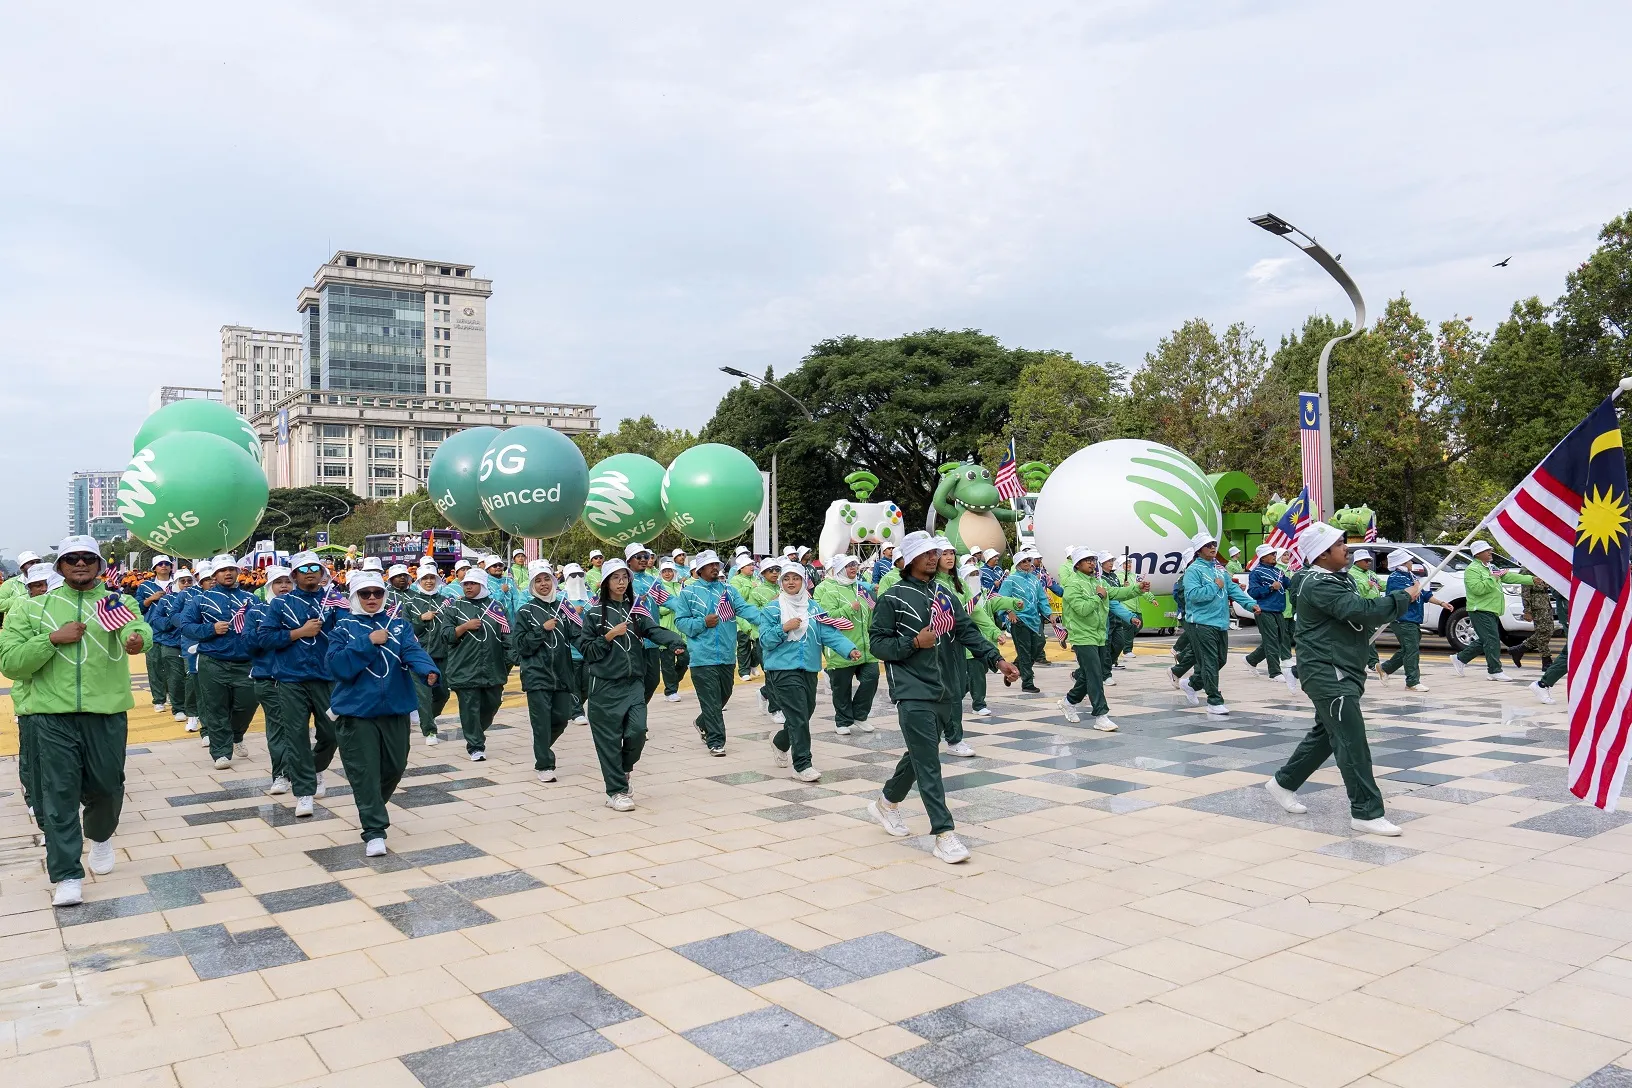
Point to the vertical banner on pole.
(762, 523)
(1309, 409)
(283, 448)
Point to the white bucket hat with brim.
(1317, 539)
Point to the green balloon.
(192, 494)
(208, 416)
(452, 478)
(532, 481)
(712, 492)
(625, 500)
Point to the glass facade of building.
(372, 339)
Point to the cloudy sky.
(659, 189)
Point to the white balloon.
(1139, 499)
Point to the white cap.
(571, 569)
(1234, 550)
(25, 558)
(37, 572)
(704, 558)
(157, 559)
(1265, 549)
(990, 553)
(396, 569)
(274, 573)
(493, 560)
(968, 565)
(1201, 540)
(539, 566)
(1480, 547)
(1400, 558)
(1359, 555)
(428, 572)
(666, 564)
(1317, 539)
(596, 553)
(915, 544)
(372, 562)
(184, 572)
(305, 559)
(634, 548)
(223, 562)
(887, 546)
(612, 567)
(790, 552)
(1077, 555)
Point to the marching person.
(682, 569)
(397, 583)
(592, 578)
(1234, 565)
(148, 594)
(1024, 586)
(37, 581)
(262, 653)
(703, 612)
(421, 601)
(72, 647)
(991, 569)
(162, 617)
(1086, 612)
(983, 607)
(794, 631)
(767, 590)
(1334, 625)
(295, 627)
(615, 660)
(743, 581)
(1123, 623)
(518, 567)
(15, 591)
(671, 668)
(216, 620)
(370, 655)
(1485, 604)
(501, 589)
(546, 628)
(1366, 583)
(472, 634)
(1403, 569)
(1266, 584)
(1208, 591)
(853, 684)
(576, 593)
(638, 558)
(1558, 668)
(883, 562)
(1538, 609)
(909, 624)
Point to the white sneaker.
(865, 726)
(1499, 677)
(1069, 711)
(779, 718)
(279, 787)
(192, 725)
(1542, 693)
(160, 708)
(764, 703)
(1291, 681)
(546, 776)
(960, 749)
(1421, 689)
(374, 848)
(1174, 680)
(1250, 667)
(68, 894)
(1110, 681)
(102, 857)
(1218, 711)
(621, 801)
(949, 848)
(582, 719)
(478, 756)
(984, 712)
(1287, 799)
(842, 730)
(675, 698)
(203, 741)
(888, 817)
(778, 755)
(1379, 826)
(809, 774)
(1459, 665)
(432, 740)
(717, 750)
(303, 806)
(180, 717)
(1191, 695)
(241, 750)
(223, 762)
(322, 786)
(1104, 724)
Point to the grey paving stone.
(1528, 774)
(804, 793)
(467, 784)
(1610, 1076)
(1425, 778)
(312, 895)
(116, 954)
(186, 887)
(740, 778)
(102, 910)
(929, 1062)
(423, 795)
(787, 813)
(1022, 1014)
(936, 1025)
(975, 1043)
(338, 859)
(437, 909)
(1580, 820)
(215, 953)
(734, 951)
(556, 1028)
(1018, 1068)
(1373, 853)
(1328, 809)
(569, 994)
(758, 1038)
(485, 887)
(432, 768)
(1119, 805)
(875, 954)
(479, 1061)
(1453, 795)
(878, 772)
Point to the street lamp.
(776, 536)
(329, 527)
(1278, 226)
(418, 504)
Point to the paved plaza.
(1137, 911)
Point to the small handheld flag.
(238, 618)
(496, 614)
(941, 617)
(1008, 482)
(723, 609)
(865, 592)
(838, 623)
(111, 613)
(334, 596)
(393, 611)
(1371, 530)
(572, 613)
(1284, 534)
(658, 593)
(640, 609)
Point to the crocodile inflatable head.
(967, 498)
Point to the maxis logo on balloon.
(134, 497)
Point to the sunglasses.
(80, 559)
(309, 568)
(370, 594)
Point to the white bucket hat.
(37, 572)
(915, 544)
(632, 549)
(539, 566)
(273, 573)
(1201, 540)
(1481, 547)
(81, 545)
(1265, 549)
(396, 569)
(363, 579)
(1317, 539)
(372, 562)
(1400, 559)
(704, 558)
(223, 562)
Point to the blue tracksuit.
(373, 681)
(305, 658)
(805, 653)
(1205, 601)
(143, 592)
(164, 615)
(693, 604)
(1267, 586)
(260, 656)
(1399, 579)
(212, 606)
(1029, 590)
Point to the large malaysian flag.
(1309, 409)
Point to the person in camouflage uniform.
(1538, 609)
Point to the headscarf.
(794, 605)
(363, 579)
(837, 566)
(476, 576)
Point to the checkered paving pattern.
(1137, 911)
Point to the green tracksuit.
(748, 655)
(478, 664)
(1087, 610)
(432, 699)
(617, 699)
(764, 593)
(543, 638)
(1485, 603)
(983, 608)
(853, 684)
(1334, 640)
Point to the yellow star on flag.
(1603, 520)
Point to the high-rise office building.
(93, 507)
(395, 326)
(169, 394)
(259, 368)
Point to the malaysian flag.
(1567, 523)
(393, 609)
(1371, 530)
(238, 617)
(658, 593)
(1284, 533)
(838, 623)
(1309, 439)
(941, 617)
(572, 612)
(640, 609)
(865, 592)
(495, 613)
(111, 613)
(1009, 486)
(723, 609)
(334, 596)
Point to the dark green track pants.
(548, 713)
(796, 697)
(1408, 656)
(617, 724)
(158, 679)
(303, 704)
(1211, 647)
(922, 724)
(672, 668)
(477, 706)
(181, 684)
(974, 682)
(1027, 645)
(266, 693)
(432, 700)
(853, 689)
(375, 753)
(1557, 670)
(1088, 681)
(713, 685)
(1339, 731)
(1272, 632)
(747, 653)
(226, 702)
(81, 762)
(1488, 640)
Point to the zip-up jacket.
(297, 660)
(1028, 589)
(372, 681)
(1267, 586)
(923, 674)
(476, 659)
(804, 654)
(693, 604)
(744, 586)
(1484, 587)
(1086, 613)
(91, 676)
(623, 658)
(260, 657)
(847, 602)
(545, 657)
(146, 590)
(165, 614)
(1399, 579)
(1365, 583)
(416, 603)
(640, 585)
(212, 606)
(1335, 624)
(1208, 591)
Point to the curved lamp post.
(1278, 226)
(776, 542)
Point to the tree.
(293, 514)
(1061, 405)
(1194, 390)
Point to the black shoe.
(1517, 655)
(1032, 690)
(1546, 662)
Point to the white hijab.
(795, 606)
(838, 569)
(554, 594)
